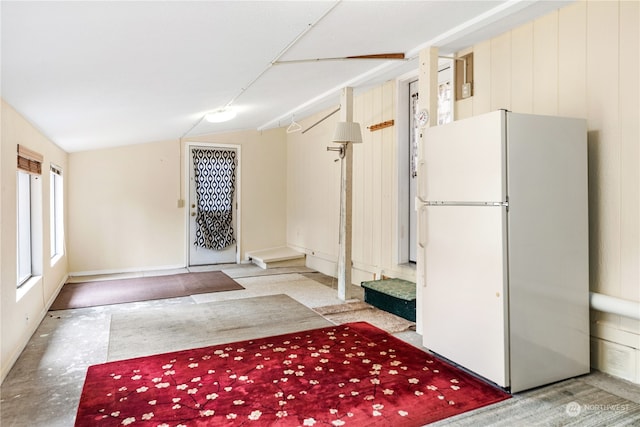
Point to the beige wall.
(583, 61)
(121, 206)
(123, 202)
(21, 311)
(580, 61)
(313, 191)
(263, 186)
(376, 188)
(123, 210)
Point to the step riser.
(395, 296)
(298, 262)
(399, 307)
(277, 257)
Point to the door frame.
(402, 134)
(406, 206)
(187, 171)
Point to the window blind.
(29, 160)
(55, 169)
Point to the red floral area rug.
(348, 375)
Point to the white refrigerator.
(503, 276)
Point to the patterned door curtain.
(215, 177)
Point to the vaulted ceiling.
(94, 74)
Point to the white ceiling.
(94, 74)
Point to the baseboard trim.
(55, 294)
(615, 359)
(328, 264)
(125, 270)
(13, 358)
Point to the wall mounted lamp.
(345, 133)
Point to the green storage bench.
(396, 296)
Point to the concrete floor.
(44, 386)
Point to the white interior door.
(464, 301)
(213, 189)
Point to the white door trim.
(187, 170)
(404, 206)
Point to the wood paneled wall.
(313, 189)
(581, 61)
(375, 182)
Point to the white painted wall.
(21, 311)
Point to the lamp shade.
(347, 132)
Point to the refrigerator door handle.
(455, 203)
(421, 178)
(422, 224)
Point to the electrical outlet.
(466, 90)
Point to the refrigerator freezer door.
(463, 161)
(464, 301)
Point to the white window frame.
(29, 211)
(56, 213)
(24, 227)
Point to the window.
(445, 92)
(29, 215)
(24, 227)
(56, 216)
(464, 77)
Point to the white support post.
(344, 255)
(427, 99)
(428, 83)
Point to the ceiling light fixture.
(221, 115)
